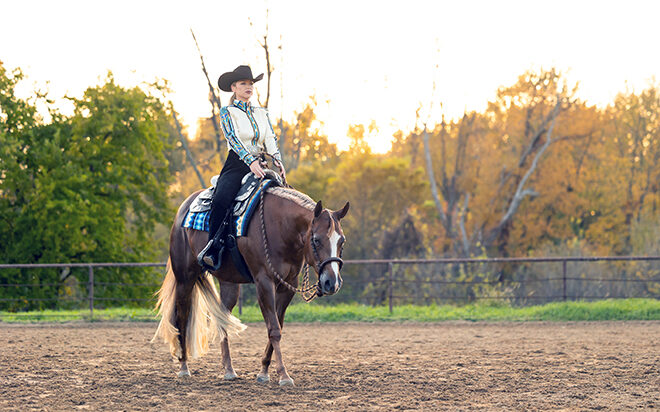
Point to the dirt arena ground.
(385, 366)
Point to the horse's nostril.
(327, 285)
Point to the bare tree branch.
(461, 225)
(213, 98)
(282, 137)
(537, 135)
(269, 69)
(184, 143)
(521, 192)
(443, 152)
(434, 186)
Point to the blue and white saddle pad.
(197, 220)
(244, 205)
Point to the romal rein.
(306, 287)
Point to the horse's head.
(324, 247)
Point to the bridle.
(307, 292)
(320, 265)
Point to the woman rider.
(248, 131)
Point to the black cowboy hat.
(240, 73)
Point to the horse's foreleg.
(282, 302)
(270, 311)
(229, 296)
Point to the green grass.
(624, 309)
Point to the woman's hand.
(281, 167)
(256, 168)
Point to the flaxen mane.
(293, 195)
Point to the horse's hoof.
(286, 382)
(230, 376)
(261, 378)
(184, 374)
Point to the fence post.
(391, 280)
(564, 277)
(90, 291)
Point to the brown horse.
(297, 230)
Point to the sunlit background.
(538, 195)
(363, 61)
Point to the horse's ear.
(318, 209)
(339, 214)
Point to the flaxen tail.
(208, 316)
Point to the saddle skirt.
(244, 205)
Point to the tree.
(379, 190)
(305, 144)
(635, 136)
(207, 158)
(85, 188)
(491, 165)
(312, 179)
(455, 167)
(18, 120)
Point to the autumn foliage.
(538, 172)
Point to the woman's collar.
(242, 105)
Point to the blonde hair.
(233, 96)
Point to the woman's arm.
(234, 142)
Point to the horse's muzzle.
(328, 284)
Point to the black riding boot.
(210, 258)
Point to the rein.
(306, 287)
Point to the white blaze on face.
(334, 248)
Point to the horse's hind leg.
(229, 296)
(183, 308)
(174, 306)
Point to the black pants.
(226, 189)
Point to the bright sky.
(362, 60)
